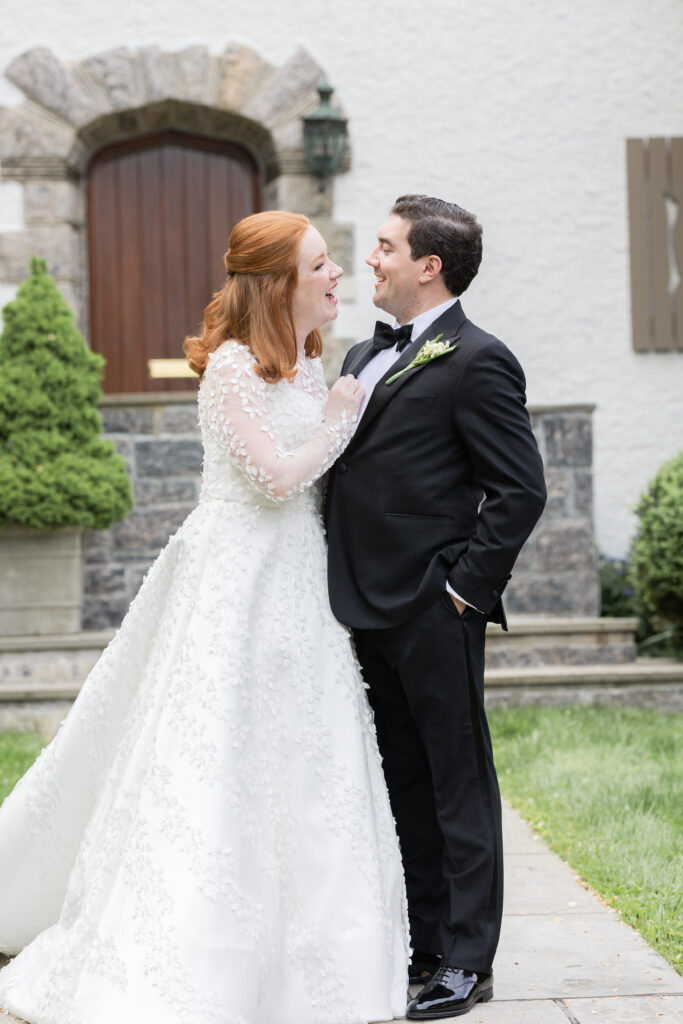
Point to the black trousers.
(426, 682)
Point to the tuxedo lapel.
(447, 324)
(360, 359)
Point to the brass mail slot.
(169, 368)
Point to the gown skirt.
(208, 839)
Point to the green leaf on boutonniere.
(430, 350)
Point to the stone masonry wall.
(163, 451)
(556, 573)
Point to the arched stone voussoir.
(46, 81)
(118, 125)
(288, 94)
(242, 73)
(27, 134)
(191, 74)
(117, 75)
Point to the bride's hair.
(254, 305)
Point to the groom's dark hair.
(445, 230)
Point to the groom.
(417, 566)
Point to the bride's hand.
(345, 396)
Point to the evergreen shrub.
(54, 468)
(657, 552)
(617, 597)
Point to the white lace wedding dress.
(208, 839)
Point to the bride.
(208, 838)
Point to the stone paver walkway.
(564, 957)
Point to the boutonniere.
(430, 350)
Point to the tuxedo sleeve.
(491, 419)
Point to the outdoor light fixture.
(324, 137)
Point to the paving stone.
(530, 888)
(544, 956)
(632, 1010)
(507, 1012)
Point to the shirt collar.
(424, 320)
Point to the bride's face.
(314, 301)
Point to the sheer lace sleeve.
(235, 407)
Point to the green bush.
(54, 469)
(657, 552)
(617, 598)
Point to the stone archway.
(72, 110)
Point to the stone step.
(39, 667)
(541, 660)
(660, 672)
(537, 640)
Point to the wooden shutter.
(160, 209)
(655, 193)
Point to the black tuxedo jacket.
(404, 510)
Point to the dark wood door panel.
(161, 209)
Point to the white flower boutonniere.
(430, 350)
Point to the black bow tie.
(386, 337)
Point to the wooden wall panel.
(677, 246)
(640, 283)
(655, 195)
(161, 209)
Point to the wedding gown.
(208, 838)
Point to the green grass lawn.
(603, 788)
(18, 751)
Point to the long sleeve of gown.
(236, 409)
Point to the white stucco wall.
(520, 113)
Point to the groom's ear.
(431, 268)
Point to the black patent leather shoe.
(422, 967)
(450, 993)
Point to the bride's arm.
(234, 399)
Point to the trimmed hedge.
(54, 469)
(657, 552)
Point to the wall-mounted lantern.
(324, 137)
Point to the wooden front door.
(160, 212)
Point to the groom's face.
(397, 274)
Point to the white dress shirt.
(382, 362)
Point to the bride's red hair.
(255, 304)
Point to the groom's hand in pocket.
(460, 605)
